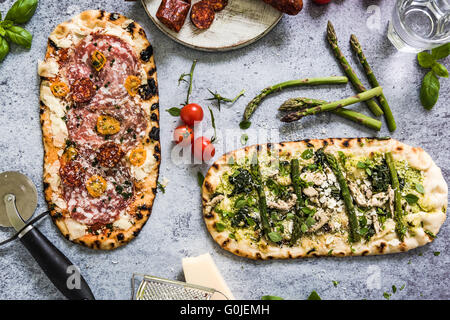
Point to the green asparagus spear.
(356, 46)
(332, 39)
(257, 179)
(354, 235)
(398, 211)
(301, 104)
(298, 217)
(364, 96)
(295, 104)
(254, 104)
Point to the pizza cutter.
(18, 201)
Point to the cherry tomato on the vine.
(322, 1)
(203, 149)
(191, 113)
(183, 135)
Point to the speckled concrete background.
(296, 48)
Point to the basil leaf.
(22, 11)
(240, 203)
(441, 52)
(245, 124)
(220, 226)
(275, 236)
(440, 70)
(420, 188)
(19, 36)
(361, 165)
(425, 59)
(271, 298)
(308, 154)
(411, 198)
(244, 139)
(314, 296)
(250, 222)
(2, 31)
(310, 221)
(200, 179)
(6, 23)
(429, 92)
(304, 228)
(4, 48)
(174, 111)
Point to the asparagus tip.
(331, 33)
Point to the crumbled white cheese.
(123, 223)
(56, 105)
(53, 170)
(48, 68)
(141, 172)
(59, 130)
(76, 230)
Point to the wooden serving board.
(241, 23)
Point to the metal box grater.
(146, 287)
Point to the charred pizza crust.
(331, 245)
(63, 37)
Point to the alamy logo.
(374, 278)
(74, 278)
(373, 22)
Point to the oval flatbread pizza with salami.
(332, 197)
(100, 122)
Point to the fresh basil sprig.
(4, 48)
(429, 91)
(20, 12)
(19, 36)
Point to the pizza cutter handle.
(58, 268)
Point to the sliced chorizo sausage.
(83, 90)
(217, 5)
(109, 154)
(291, 7)
(202, 15)
(72, 174)
(173, 13)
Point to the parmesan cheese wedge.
(203, 271)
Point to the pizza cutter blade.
(18, 200)
(17, 185)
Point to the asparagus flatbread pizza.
(336, 197)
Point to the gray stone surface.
(296, 48)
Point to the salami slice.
(82, 125)
(112, 202)
(120, 62)
(217, 5)
(202, 15)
